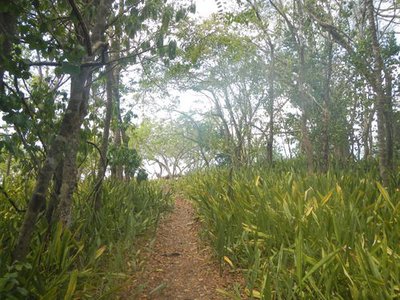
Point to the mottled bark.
(53, 202)
(64, 147)
(38, 198)
(69, 128)
(68, 183)
(80, 85)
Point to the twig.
(12, 202)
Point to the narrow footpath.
(179, 265)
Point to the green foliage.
(304, 236)
(124, 156)
(90, 258)
(142, 175)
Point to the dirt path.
(179, 265)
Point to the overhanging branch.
(85, 65)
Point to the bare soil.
(179, 265)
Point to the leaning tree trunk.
(65, 145)
(69, 127)
(79, 89)
(65, 176)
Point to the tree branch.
(82, 24)
(85, 65)
(104, 160)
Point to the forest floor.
(178, 264)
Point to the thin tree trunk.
(271, 97)
(306, 143)
(389, 119)
(117, 170)
(368, 118)
(352, 138)
(326, 107)
(383, 101)
(102, 167)
(118, 132)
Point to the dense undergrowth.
(322, 236)
(91, 260)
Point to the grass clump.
(332, 236)
(94, 257)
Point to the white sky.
(205, 8)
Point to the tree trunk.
(69, 181)
(102, 167)
(79, 89)
(8, 22)
(117, 170)
(383, 101)
(271, 95)
(54, 198)
(368, 118)
(326, 107)
(306, 143)
(64, 147)
(389, 119)
(69, 128)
